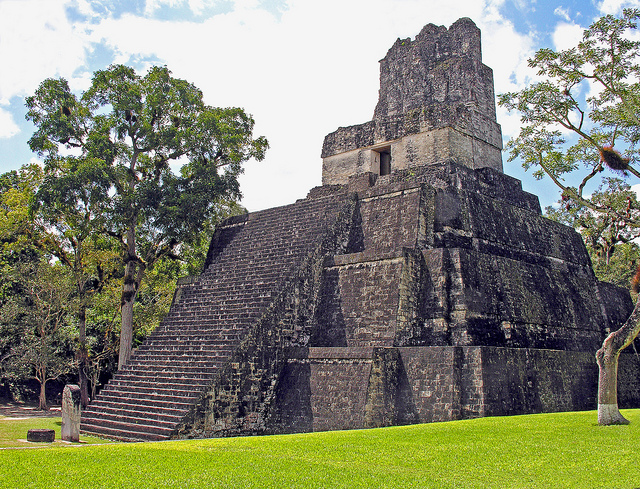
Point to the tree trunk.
(129, 291)
(126, 328)
(82, 356)
(42, 400)
(607, 358)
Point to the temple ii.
(419, 283)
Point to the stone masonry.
(436, 103)
(419, 283)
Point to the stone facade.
(436, 104)
(434, 292)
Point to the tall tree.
(17, 251)
(54, 212)
(564, 137)
(127, 131)
(39, 316)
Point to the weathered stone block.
(38, 435)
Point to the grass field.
(565, 450)
(13, 432)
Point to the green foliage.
(154, 297)
(48, 215)
(18, 233)
(608, 238)
(605, 60)
(621, 267)
(126, 130)
(109, 157)
(545, 450)
(37, 321)
(569, 139)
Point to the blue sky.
(302, 68)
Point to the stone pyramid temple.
(419, 283)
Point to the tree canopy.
(139, 160)
(587, 145)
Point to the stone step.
(157, 392)
(172, 350)
(194, 328)
(176, 356)
(156, 388)
(151, 399)
(123, 431)
(134, 418)
(169, 370)
(162, 413)
(131, 423)
(221, 308)
(164, 381)
(206, 340)
(142, 403)
(168, 344)
(180, 364)
(176, 342)
(153, 374)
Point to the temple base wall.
(349, 388)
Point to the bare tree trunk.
(126, 304)
(607, 358)
(42, 400)
(82, 356)
(126, 328)
(94, 383)
(129, 291)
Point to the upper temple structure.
(436, 104)
(419, 283)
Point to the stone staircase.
(252, 257)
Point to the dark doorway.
(385, 162)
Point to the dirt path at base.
(16, 410)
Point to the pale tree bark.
(41, 376)
(83, 356)
(133, 275)
(42, 400)
(607, 358)
(129, 290)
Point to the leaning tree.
(140, 159)
(570, 137)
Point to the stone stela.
(419, 283)
(71, 413)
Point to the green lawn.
(566, 450)
(13, 432)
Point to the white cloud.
(562, 12)
(615, 7)
(36, 42)
(152, 5)
(196, 6)
(567, 35)
(8, 128)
